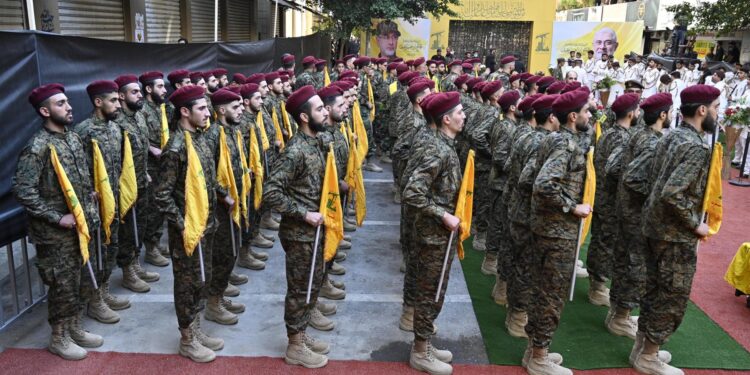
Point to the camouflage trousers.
(398, 169)
(298, 262)
(189, 290)
(380, 132)
(128, 252)
(552, 267)
(408, 250)
(430, 250)
(482, 201)
(371, 140)
(670, 268)
(152, 217)
(223, 255)
(629, 270)
(498, 236)
(520, 282)
(109, 252)
(601, 249)
(60, 269)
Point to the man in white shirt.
(680, 67)
(650, 79)
(631, 71)
(580, 72)
(718, 81)
(740, 92)
(600, 68)
(589, 67)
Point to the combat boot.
(318, 346)
(340, 256)
(515, 321)
(581, 271)
(216, 312)
(80, 336)
(246, 260)
(164, 251)
(62, 345)
(406, 323)
(426, 361)
(269, 237)
(131, 281)
(372, 167)
(386, 159)
(337, 284)
(261, 242)
(111, 300)
(231, 291)
(237, 279)
(649, 363)
(621, 324)
(213, 343)
(555, 358)
(144, 275)
(154, 257)
(328, 291)
(480, 241)
(349, 212)
(297, 353)
(541, 364)
(232, 306)
(99, 310)
(337, 269)
(320, 322)
(598, 293)
(326, 309)
(489, 264)
(349, 226)
(259, 255)
(345, 245)
(267, 222)
(191, 348)
(663, 355)
(397, 196)
(442, 355)
(500, 291)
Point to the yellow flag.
(437, 83)
(393, 87)
(738, 272)
(104, 189)
(598, 130)
(277, 128)
(712, 198)
(128, 184)
(285, 117)
(208, 124)
(465, 203)
(326, 77)
(74, 205)
(262, 127)
(356, 182)
(330, 208)
(245, 191)
(196, 199)
(359, 130)
(225, 174)
(385, 75)
(589, 190)
(257, 168)
(164, 126)
(371, 99)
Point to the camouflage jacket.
(511, 168)
(558, 187)
(479, 137)
(407, 131)
(608, 152)
(424, 144)
(524, 160)
(294, 187)
(637, 159)
(470, 107)
(152, 114)
(678, 179)
(319, 80)
(37, 189)
(501, 140)
(305, 78)
(447, 84)
(107, 135)
(213, 138)
(135, 124)
(333, 134)
(396, 103)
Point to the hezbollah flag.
(326, 77)
(589, 190)
(437, 83)
(277, 128)
(738, 273)
(285, 117)
(245, 178)
(330, 208)
(393, 87)
(465, 203)
(371, 99)
(128, 185)
(164, 126)
(598, 126)
(196, 199)
(712, 197)
(263, 136)
(359, 130)
(74, 205)
(104, 190)
(356, 182)
(256, 167)
(225, 175)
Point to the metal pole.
(135, 228)
(30, 17)
(12, 274)
(312, 266)
(99, 241)
(276, 20)
(25, 252)
(216, 20)
(91, 273)
(445, 265)
(265, 163)
(231, 229)
(575, 261)
(200, 260)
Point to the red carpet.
(39, 362)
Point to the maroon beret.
(584, 89)
(508, 99)
(256, 78)
(102, 87)
(186, 94)
(125, 80)
(42, 93)
(270, 77)
(442, 103)
(398, 60)
(544, 102)
(309, 60)
(491, 88)
(514, 77)
(570, 101)
(381, 60)
(349, 57)
(533, 79)
(555, 87)
(507, 60)
(347, 74)
(699, 94)
(330, 91)
(149, 77)
(429, 62)
(527, 102)
(545, 81)
(406, 76)
(220, 72)
(284, 75)
(425, 103)
(401, 67)
(224, 96)
(319, 63)
(625, 102)
(299, 98)
(525, 76)
(417, 88)
(247, 90)
(479, 86)
(344, 85)
(239, 78)
(473, 81)
(656, 102)
(409, 62)
(234, 89)
(362, 62)
(569, 87)
(196, 76)
(460, 80)
(467, 66)
(454, 62)
(392, 66)
(287, 59)
(208, 73)
(418, 61)
(178, 75)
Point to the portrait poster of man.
(613, 38)
(399, 38)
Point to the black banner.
(32, 58)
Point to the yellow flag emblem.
(286, 121)
(128, 185)
(262, 127)
(196, 199)
(277, 128)
(356, 182)
(465, 203)
(74, 205)
(712, 198)
(360, 131)
(392, 87)
(225, 174)
(104, 190)
(326, 77)
(330, 208)
(245, 191)
(589, 190)
(371, 99)
(257, 169)
(164, 126)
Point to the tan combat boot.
(598, 293)
(349, 226)
(515, 322)
(319, 321)
(500, 291)
(648, 361)
(297, 353)
(345, 245)
(406, 322)
(164, 251)
(318, 346)
(100, 311)
(213, 343)
(259, 255)
(81, 337)
(231, 291)
(191, 348)
(480, 241)
(131, 281)
(541, 364)
(246, 260)
(144, 275)
(111, 300)
(62, 345)
(372, 167)
(329, 291)
(489, 264)
(237, 279)
(337, 269)
(216, 312)
(337, 284)
(326, 309)
(444, 356)
(556, 358)
(427, 362)
(621, 323)
(267, 222)
(663, 355)
(269, 237)
(154, 257)
(397, 196)
(232, 306)
(340, 256)
(261, 242)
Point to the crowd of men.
(528, 134)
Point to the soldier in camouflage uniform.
(555, 218)
(672, 224)
(294, 190)
(307, 77)
(366, 75)
(51, 224)
(267, 220)
(507, 65)
(191, 113)
(177, 78)
(100, 128)
(432, 190)
(396, 103)
(446, 84)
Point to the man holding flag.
(59, 222)
(673, 224)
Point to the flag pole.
(99, 241)
(135, 227)
(91, 273)
(200, 260)
(445, 265)
(265, 163)
(710, 163)
(312, 266)
(575, 261)
(231, 229)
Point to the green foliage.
(574, 4)
(722, 16)
(605, 84)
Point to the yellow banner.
(225, 174)
(104, 190)
(196, 199)
(465, 203)
(128, 184)
(330, 208)
(74, 205)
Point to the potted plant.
(603, 87)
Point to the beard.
(62, 120)
(519, 114)
(709, 124)
(667, 123)
(582, 126)
(317, 126)
(334, 119)
(232, 121)
(213, 89)
(157, 99)
(111, 116)
(634, 121)
(135, 106)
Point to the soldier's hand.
(68, 221)
(277, 143)
(95, 196)
(314, 218)
(148, 178)
(582, 210)
(702, 230)
(154, 151)
(451, 222)
(343, 187)
(229, 201)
